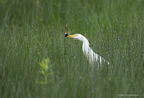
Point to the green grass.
(33, 30)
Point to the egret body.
(88, 52)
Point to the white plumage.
(91, 56)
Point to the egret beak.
(71, 36)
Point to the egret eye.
(66, 34)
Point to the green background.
(33, 30)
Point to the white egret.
(88, 52)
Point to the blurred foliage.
(31, 30)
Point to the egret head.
(78, 37)
(75, 36)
